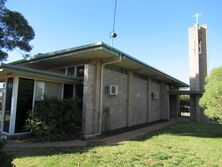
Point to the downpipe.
(101, 97)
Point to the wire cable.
(113, 34)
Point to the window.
(40, 91)
(48, 89)
(71, 71)
(80, 71)
(200, 47)
(68, 91)
(7, 115)
(24, 103)
(59, 70)
(74, 71)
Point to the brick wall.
(132, 106)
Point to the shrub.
(212, 97)
(38, 128)
(53, 118)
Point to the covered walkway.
(196, 113)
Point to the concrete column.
(130, 121)
(174, 106)
(195, 108)
(88, 100)
(164, 102)
(97, 96)
(148, 98)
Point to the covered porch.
(21, 87)
(196, 113)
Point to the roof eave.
(24, 70)
(105, 47)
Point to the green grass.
(183, 144)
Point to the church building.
(107, 80)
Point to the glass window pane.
(71, 71)
(8, 101)
(39, 90)
(59, 70)
(53, 90)
(2, 94)
(80, 71)
(24, 103)
(68, 91)
(48, 89)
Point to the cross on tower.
(196, 16)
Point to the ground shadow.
(5, 159)
(188, 129)
(181, 129)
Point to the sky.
(154, 31)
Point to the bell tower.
(198, 66)
(197, 55)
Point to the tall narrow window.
(8, 101)
(200, 47)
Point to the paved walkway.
(110, 140)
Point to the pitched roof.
(98, 45)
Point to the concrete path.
(116, 139)
(123, 137)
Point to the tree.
(211, 100)
(15, 32)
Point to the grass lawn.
(183, 144)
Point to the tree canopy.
(211, 100)
(15, 32)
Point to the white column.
(62, 92)
(33, 98)
(13, 105)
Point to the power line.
(113, 34)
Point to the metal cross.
(196, 16)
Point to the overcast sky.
(154, 31)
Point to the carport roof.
(104, 50)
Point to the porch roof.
(100, 51)
(8, 70)
(185, 92)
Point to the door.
(24, 103)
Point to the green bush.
(211, 100)
(38, 128)
(55, 119)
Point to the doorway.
(24, 103)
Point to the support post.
(13, 105)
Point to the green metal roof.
(99, 45)
(39, 73)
